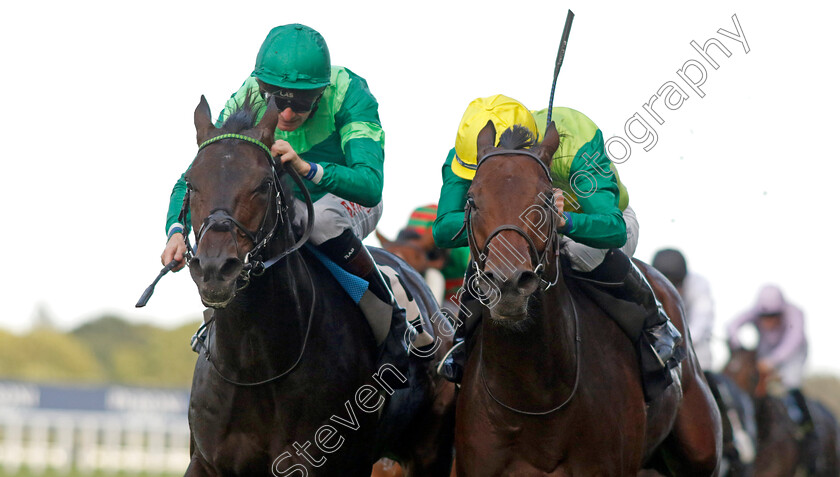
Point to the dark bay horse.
(781, 449)
(552, 386)
(286, 382)
(740, 432)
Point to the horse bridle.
(253, 265)
(221, 218)
(552, 242)
(540, 259)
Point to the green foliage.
(105, 350)
(46, 355)
(141, 354)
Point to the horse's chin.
(217, 298)
(509, 318)
(510, 307)
(513, 313)
(515, 323)
(216, 305)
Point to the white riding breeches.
(585, 258)
(334, 215)
(791, 370)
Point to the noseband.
(538, 258)
(221, 219)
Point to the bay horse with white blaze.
(552, 385)
(286, 382)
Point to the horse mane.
(243, 116)
(517, 137)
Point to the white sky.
(99, 98)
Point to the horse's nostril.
(527, 282)
(230, 267)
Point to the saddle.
(629, 300)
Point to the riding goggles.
(301, 101)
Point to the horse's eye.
(471, 202)
(264, 187)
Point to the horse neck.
(539, 361)
(263, 329)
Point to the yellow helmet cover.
(503, 111)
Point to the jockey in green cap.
(328, 129)
(599, 228)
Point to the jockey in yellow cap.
(599, 227)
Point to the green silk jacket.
(343, 135)
(595, 196)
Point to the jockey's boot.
(806, 435)
(469, 315)
(797, 407)
(451, 367)
(386, 317)
(624, 293)
(198, 339)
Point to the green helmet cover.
(293, 56)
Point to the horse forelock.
(517, 137)
(243, 116)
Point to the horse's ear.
(203, 123)
(382, 240)
(268, 124)
(486, 139)
(549, 144)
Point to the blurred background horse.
(443, 269)
(784, 448)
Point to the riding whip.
(144, 298)
(561, 52)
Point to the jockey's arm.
(749, 316)
(175, 231)
(361, 179)
(450, 215)
(597, 221)
(176, 202)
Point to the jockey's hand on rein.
(559, 203)
(284, 151)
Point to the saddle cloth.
(404, 286)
